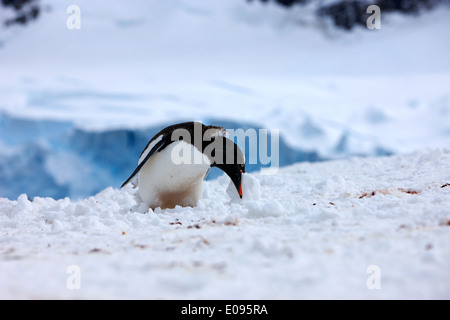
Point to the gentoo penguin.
(173, 165)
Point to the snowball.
(21, 206)
(57, 226)
(23, 203)
(251, 189)
(262, 209)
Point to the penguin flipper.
(157, 147)
(206, 174)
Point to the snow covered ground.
(362, 228)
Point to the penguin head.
(234, 171)
(228, 157)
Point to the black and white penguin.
(173, 165)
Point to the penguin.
(172, 167)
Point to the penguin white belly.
(173, 176)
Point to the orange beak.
(240, 187)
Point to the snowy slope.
(314, 230)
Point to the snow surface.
(314, 230)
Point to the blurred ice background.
(78, 106)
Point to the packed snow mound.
(313, 230)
